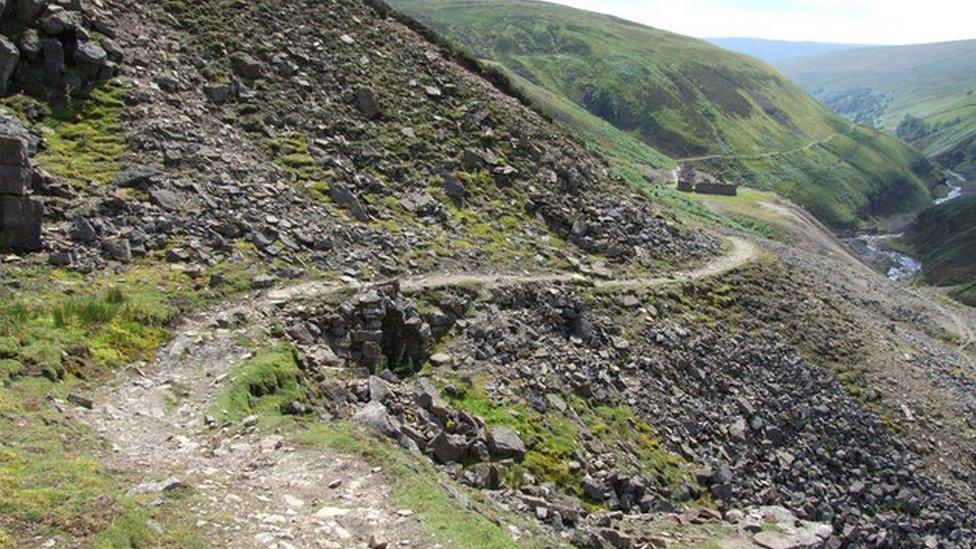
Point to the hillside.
(692, 101)
(925, 94)
(298, 273)
(945, 237)
(776, 51)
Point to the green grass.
(52, 483)
(83, 138)
(634, 92)
(944, 238)
(61, 332)
(266, 384)
(925, 93)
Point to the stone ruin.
(694, 180)
(20, 215)
(375, 330)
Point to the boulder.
(89, 58)
(365, 100)
(504, 443)
(13, 151)
(20, 224)
(53, 61)
(118, 249)
(247, 66)
(454, 189)
(375, 416)
(448, 448)
(9, 56)
(27, 10)
(59, 23)
(343, 197)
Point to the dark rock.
(220, 93)
(139, 176)
(79, 400)
(27, 10)
(454, 189)
(365, 100)
(343, 197)
(448, 448)
(9, 56)
(89, 58)
(53, 61)
(14, 180)
(20, 224)
(247, 66)
(504, 443)
(118, 249)
(83, 231)
(263, 282)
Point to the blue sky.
(849, 21)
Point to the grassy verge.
(60, 333)
(83, 138)
(52, 485)
(268, 383)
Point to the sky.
(846, 21)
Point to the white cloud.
(853, 21)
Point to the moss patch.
(83, 139)
(265, 384)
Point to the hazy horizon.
(861, 22)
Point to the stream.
(896, 265)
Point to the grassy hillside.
(775, 51)
(945, 237)
(690, 100)
(925, 94)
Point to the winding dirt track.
(740, 253)
(253, 490)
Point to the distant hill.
(631, 90)
(776, 51)
(925, 94)
(945, 237)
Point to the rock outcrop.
(48, 48)
(20, 215)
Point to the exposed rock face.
(49, 46)
(20, 216)
(377, 329)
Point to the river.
(896, 265)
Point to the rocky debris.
(48, 47)
(169, 484)
(377, 329)
(20, 215)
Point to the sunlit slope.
(694, 102)
(925, 94)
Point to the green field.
(634, 92)
(925, 94)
